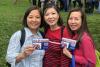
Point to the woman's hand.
(67, 52)
(27, 51)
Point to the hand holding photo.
(68, 43)
(43, 43)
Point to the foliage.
(98, 58)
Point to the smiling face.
(34, 20)
(75, 21)
(51, 17)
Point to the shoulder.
(65, 29)
(16, 34)
(86, 39)
(86, 36)
(15, 37)
(66, 32)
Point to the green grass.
(10, 21)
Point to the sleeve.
(88, 50)
(13, 48)
(80, 59)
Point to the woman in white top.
(28, 55)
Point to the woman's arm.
(88, 51)
(85, 53)
(27, 51)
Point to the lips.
(35, 23)
(73, 26)
(51, 21)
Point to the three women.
(55, 56)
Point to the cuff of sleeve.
(11, 59)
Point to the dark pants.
(91, 5)
(61, 5)
(34, 2)
(69, 5)
(79, 3)
(65, 4)
(39, 3)
(46, 1)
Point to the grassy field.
(10, 21)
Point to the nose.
(50, 16)
(72, 21)
(33, 19)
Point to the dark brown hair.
(83, 28)
(28, 12)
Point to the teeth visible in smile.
(73, 25)
(50, 20)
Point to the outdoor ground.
(10, 21)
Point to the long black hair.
(51, 5)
